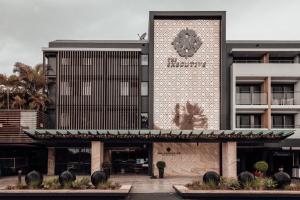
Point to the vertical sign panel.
(187, 73)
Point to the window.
(87, 88)
(283, 94)
(124, 88)
(144, 121)
(65, 61)
(283, 121)
(65, 88)
(250, 95)
(144, 88)
(64, 120)
(248, 121)
(144, 59)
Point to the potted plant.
(161, 168)
(261, 168)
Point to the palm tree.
(38, 102)
(25, 88)
(32, 79)
(189, 116)
(18, 102)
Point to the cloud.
(28, 25)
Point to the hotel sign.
(186, 43)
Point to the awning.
(161, 135)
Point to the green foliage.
(269, 184)
(51, 184)
(161, 164)
(24, 89)
(261, 166)
(109, 185)
(232, 184)
(83, 183)
(294, 187)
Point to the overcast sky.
(28, 25)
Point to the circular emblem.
(186, 43)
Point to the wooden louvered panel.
(12, 123)
(89, 90)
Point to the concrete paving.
(144, 184)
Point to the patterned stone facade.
(196, 84)
(187, 159)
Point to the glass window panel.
(65, 88)
(245, 121)
(144, 59)
(144, 88)
(87, 88)
(124, 88)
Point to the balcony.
(285, 126)
(256, 98)
(254, 126)
(285, 98)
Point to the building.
(265, 96)
(185, 96)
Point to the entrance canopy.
(161, 135)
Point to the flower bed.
(66, 185)
(234, 184)
(246, 186)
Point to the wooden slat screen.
(89, 90)
(12, 123)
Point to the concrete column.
(97, 154)
(51, 161)
(229, 160)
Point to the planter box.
(184, 192)
(62, 194)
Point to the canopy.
(161, 135)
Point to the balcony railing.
(246, 61)
(285, 126)
(257, 98)
(285, 98)
(250, 126)
(281, 61)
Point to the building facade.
(184, 96)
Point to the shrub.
(66, 179)
(261, 166)
(34, 179)
(230, 184)
(161, 164)
(269, 184)
(195, 185)
(282, 179)
(98, 177)
(246, 179)
(295, 187)
(83, 183)
(108, 185)
(211, 177)
(52, 184)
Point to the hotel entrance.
(128, 159)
